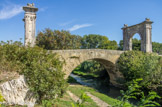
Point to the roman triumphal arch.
(144, 29)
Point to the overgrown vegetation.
(42, 69)
(136, 64)
(1, 99)
(81, 103)
(134, 92)
(90, 69)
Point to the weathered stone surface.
(144, 29)
(17, 92)
(30, 23)
(108, 58)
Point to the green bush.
(1, 99)
(41, 68)
(134, 92)
(136, 64)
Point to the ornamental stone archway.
(108, 58)
(144, 29)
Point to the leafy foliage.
(136, 64)
(80, 103)
(55, 40)
(41, 68)
(157, 47)
(134, 91)
(93, 41)
(149, 100)
(91, 66)
(1, 99)
(47, 103)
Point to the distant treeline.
(58, 40)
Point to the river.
(109, 90)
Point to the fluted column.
(30, 24)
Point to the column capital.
(30, 8)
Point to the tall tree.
(93, 41)
(54, 40)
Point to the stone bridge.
(108, 58)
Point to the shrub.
(41, 68)
(43, 73)
(136, 64)
(134, 91)
(1, 99)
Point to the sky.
(81, 17)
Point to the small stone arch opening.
(135, 42)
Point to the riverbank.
(98, 84)
(78, 90)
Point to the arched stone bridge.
(108, 58)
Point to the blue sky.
(105, 17)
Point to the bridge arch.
(108, 58)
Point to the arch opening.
(136, 42)
(96, 73)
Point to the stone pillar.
(30, 24)
(125, 39)
(148, 36)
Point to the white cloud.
(76, 27)
(10, 11)
(66, 23)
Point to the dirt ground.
(6, 76)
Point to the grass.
(66, 101)
(78, 89)
(77, 92)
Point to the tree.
(91, 66)
(54, 40)
(93, 41)
(157, 47)
(120, 45)
(136, 44)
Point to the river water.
(109, 90)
